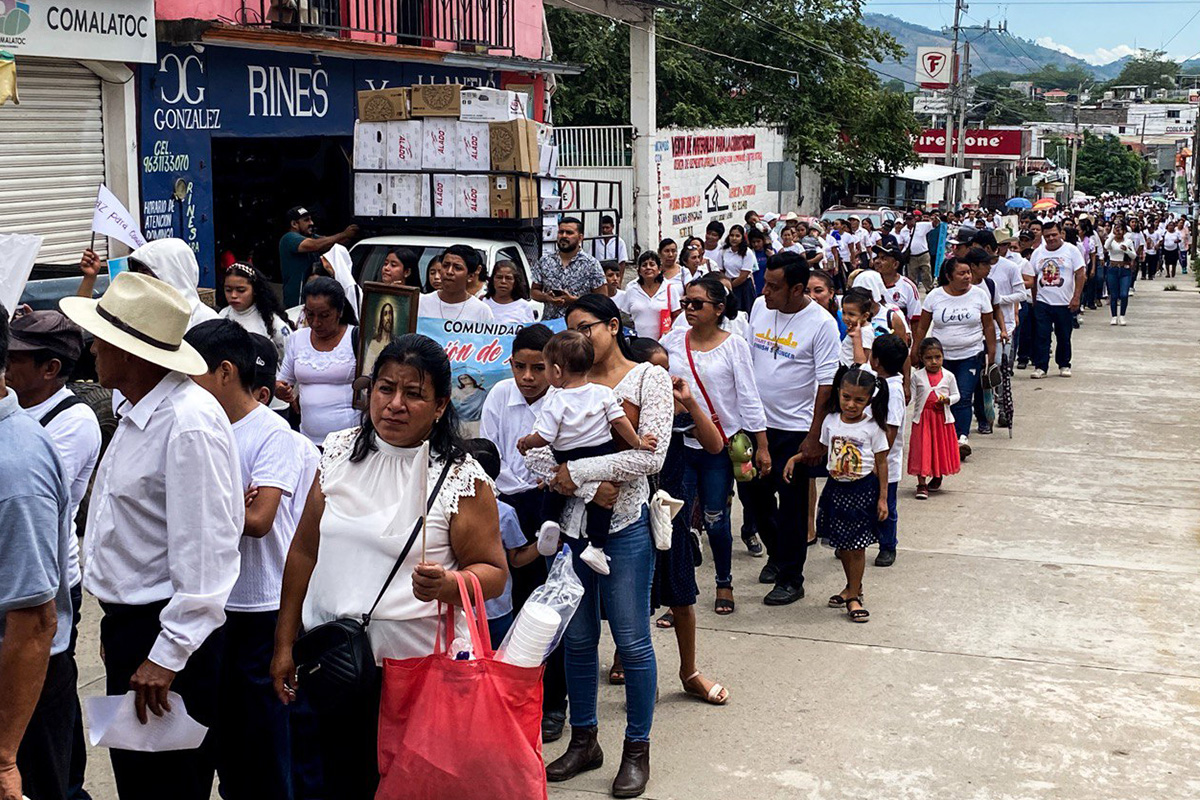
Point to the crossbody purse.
(334, 661)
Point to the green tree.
(1008, 107)
(1106, 165)
(1148, 68)
(838, 115)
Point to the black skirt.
(675, 571)
(848, 511)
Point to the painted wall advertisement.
(189, 95)
(706, 175)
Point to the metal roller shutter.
(52, 157)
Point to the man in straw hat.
(165, 520)
(37, 674)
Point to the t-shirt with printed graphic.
(852, 446)
(1055, 273)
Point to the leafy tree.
(1008, 107)
(1106, 165)
(837, 114)
(1148, 68)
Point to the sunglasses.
(695, 305)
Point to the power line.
(1180, 30)
(688, 44)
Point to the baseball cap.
(266, 362)
(298, 212)
(770, 216)
(50, 331)
(964, 235)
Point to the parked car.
(877, 214)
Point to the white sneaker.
(547, 541)
(1065, 372)
(594, 557)
(1121, 321)
(1038, 374)
(1113, 321)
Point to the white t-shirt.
(958, 321)
(470, 310)
(903, 294)
(1010, 289)
(846, 349)
(735, 265)
(578, 417)
(920, 244)
(852, 446)
(518, 311)
(1055, 273)
(1154, 242)
(646, 310)
(272, 455)
(76, 436)
(1120, 251)
(1171, 240)
(728, 378)
(793, 355)
(896, 412)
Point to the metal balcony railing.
(481, 26)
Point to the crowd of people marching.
(244, 504)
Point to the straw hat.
(142, 316)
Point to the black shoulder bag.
(334, 661)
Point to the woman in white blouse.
(650, 301)
(720, 374)
(508, 295)
(318, 366)
(645, 390)
(371, 490)
(739, 263)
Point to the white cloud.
(1101, 55)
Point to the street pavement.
(1036, 637)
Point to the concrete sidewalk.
(1035, 639)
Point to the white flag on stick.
(18, 251)
(111, 218)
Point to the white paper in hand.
(113, 722)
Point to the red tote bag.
(470, 730)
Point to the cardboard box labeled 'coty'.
(514, 146)
(436, 100)
(383, 105)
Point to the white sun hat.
(142, 316)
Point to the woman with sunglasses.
(718, 369)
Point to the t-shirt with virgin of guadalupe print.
(1055, 273)
(852, 446)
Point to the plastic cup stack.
(532, 635)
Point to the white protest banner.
(17, 253)
(111, 218)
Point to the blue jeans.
(966, 373)
(1119, 281)
(625, 593)
(1059, 320)
(886, 530)
(708, 477)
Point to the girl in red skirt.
(933, 448)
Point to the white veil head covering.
(343, 272)
(174, 263)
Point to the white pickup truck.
(368, 255)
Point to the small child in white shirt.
(857, 308)
(577, 422)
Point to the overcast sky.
(1098, 31)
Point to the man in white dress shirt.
(165, 519)
(608, 246)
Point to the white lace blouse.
(324, 382)
(359, 547)
(649, 388)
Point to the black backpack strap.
(67, 402)
(409, 544)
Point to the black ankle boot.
(634, 773)
(583, 754)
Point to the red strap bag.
(470, 730)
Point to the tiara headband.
(242, 269)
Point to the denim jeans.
(1119, 281)
(1057, 319)
(966, 373)
(886, 530)
(708, 477)
(625, 594)
(1026, 326)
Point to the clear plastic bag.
(540, 625)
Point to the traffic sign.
(931, 105)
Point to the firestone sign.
(100, 30)
(980, 143)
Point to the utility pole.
(959, 7)
(960, 159)
(1194, 205)
(1074, 147)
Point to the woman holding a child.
(645, 392)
